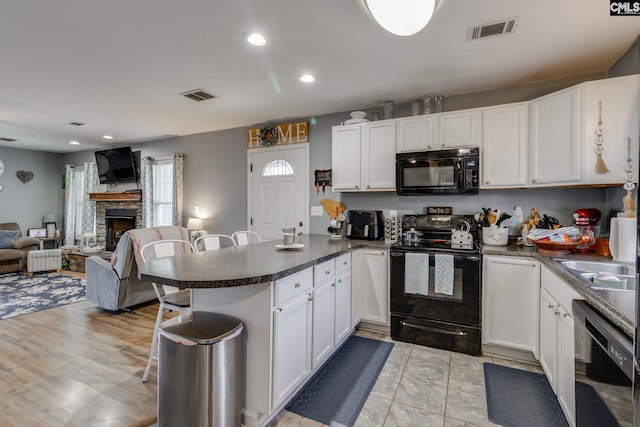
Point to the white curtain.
(89, 207)
(147, 192)
(69, 205)
(178, 166)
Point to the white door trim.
(305, 147)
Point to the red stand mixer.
(587, 221)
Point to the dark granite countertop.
(617, 306)
(248, 264)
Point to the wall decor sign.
(322, 178)
(24, 176)
(282, 134)
(37, 232)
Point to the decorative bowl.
(358, 115)
(546, 246)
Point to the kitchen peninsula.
(298, 307)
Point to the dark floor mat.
(517, 398)
(520, 398)
(336, 394)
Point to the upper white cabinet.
(563, 145)
(416, 133)
(617, 102)
(440, 131)
(510, 302)
(345, 153)
(503, 156)
(459, 129)
(363, 157)
(554, 139)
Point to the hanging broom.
(601, 166)
(627, 201)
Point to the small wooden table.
(77, 259)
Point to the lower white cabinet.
(511, 287)
(292, 334)
(357, 264)
(374, 282)
(342, 315)
(557, 351)
(331, 306)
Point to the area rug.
(21, 294)
(336, 394)
(520, 398)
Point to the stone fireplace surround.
(112, 200)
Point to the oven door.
(417, 292)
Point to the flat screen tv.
(116, 165)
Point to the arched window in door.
(277, 167)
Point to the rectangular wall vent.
(490, 29)
(198, 95)
(4, 139)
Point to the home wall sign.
(282, 134)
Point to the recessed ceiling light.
(307, 78)
(107, 136)
(256, 39)
(74, 143)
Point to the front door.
(278, 190)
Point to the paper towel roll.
(622, 239)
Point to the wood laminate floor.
(77, 365)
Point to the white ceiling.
(120, 65)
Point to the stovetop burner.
(436, 232)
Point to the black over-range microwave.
(438, 172)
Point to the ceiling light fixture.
(256, 39)
(74, 143)
(307, 78)
(402, 17)
(107, 137)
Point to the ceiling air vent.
(490, 29)
(198, 95)
(4, 139)
(77, 123)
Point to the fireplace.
(118, 221)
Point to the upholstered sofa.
(14, 258)
(116, 285)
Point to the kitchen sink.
(624, 275)
(599, 267)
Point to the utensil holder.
(495, 236)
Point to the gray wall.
(26, 203)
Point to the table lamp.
(195, 225)
(50, 220)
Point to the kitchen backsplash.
(557, 202)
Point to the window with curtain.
(163, 192)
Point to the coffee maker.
(587, 221)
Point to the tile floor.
(422, 386)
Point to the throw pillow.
(6, 243)
(7, 237)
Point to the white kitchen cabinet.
(416, 133)
(503, 154)
(323, 324)
(511, 288)
(363, 157)
(331, 306)
(620, 111)
(557, 339)
(291, 346)
(345, 150)
(555, 148)
(459, 129)
(375, 286)
(357, 265)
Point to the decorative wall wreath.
(268, 136)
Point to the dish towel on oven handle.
(444, 274)
(416, 273)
